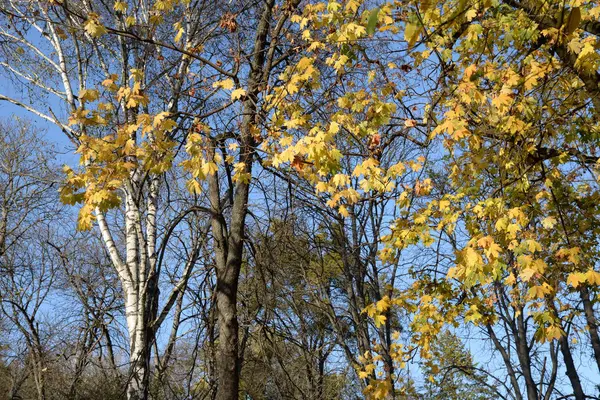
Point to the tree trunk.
(571, 370)
(524, 357)
(228, 360)
(139, 357)
(141, 292)
(229, 245)
(592, 323)
(38, 375)
(507, 363)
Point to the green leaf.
(372, 22)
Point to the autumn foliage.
(446, 150)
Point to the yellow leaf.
(179, 35)
(576, 278)
(549, 222)
(109, 83)
(193, 186)
(120, 6)
(93, 26)
(510, 280)
(88, 95)
(512, 230)
(321, 187)
(533, 246)
(502, 101)
(159, 118)
(224, 84)
(379, 320)
(539, 292)
(411, 33)
(383, 304)
(343, 211)
(85, 218)
(471, 257)
(493, 251)
(527, 274)
(472, 13)
(592, 277)
(209, 168)
(574, 20)
(237, 93)
(501, 224)
(334, 127)
(554, 332)
(469, 71)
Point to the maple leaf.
(512, 230)
(549, 222)
(383, 304)
(224, 84)
(120, 6)
(411, 33)
(471, 257)
(554, 332)
(527, 274)
(93, 26)
(298, 164)
(238, 93)
(575, 279)
(592, 277)
(469, 15)
(363, 374)
(510, 280)
(379, 320)
(573, 20)
(179, 34)
(85, 218)
(537, 292)
(372, 21)
(343, 211)
(88, 95)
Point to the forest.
(299, 199)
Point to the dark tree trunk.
(592, 323)
(524, 358)
(507, 363)
(230, 244)
(571, 371)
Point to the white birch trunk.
(135, 306)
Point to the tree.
(455, 375)
(127, 143)
(515, 119)
(28, 271)
(439, 160)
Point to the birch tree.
(47, 47)
(159, 88)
